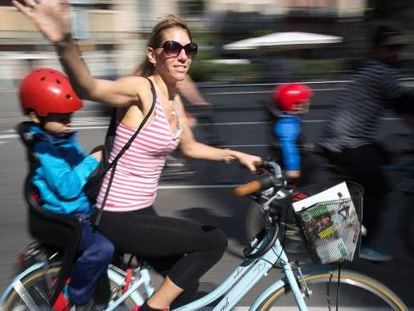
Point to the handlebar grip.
(248, 188)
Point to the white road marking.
(7, 136)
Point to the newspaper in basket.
(330, 223)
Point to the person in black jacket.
(349, 138)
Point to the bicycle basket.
(331, 222)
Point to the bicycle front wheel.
(32, 291)
(355, 291)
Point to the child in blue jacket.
(292, 100)
(47, 97)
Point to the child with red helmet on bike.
(292, 100)
(47, 97)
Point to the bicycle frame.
(118, 276)
(269, 253)
(237, 284)
(245, 276)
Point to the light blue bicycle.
(307, 288)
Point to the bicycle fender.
(17, 280)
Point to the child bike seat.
(53, 231)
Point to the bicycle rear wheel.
(32, 292)
(354, 292)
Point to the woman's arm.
(53, 19)
(189, 90)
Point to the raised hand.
(51, 17)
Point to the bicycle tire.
(375, 294)
(36, 285)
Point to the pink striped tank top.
(138, 171)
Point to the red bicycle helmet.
(289, 94)
(47, 91)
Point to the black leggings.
(181, 249)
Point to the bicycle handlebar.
(262, 182)
(272, 177)
(247, 189)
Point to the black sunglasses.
(173, 48)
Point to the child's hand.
(292, 174)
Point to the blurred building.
(112, 33)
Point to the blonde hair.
(156, 37)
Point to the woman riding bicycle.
(181, 250)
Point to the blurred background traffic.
(240, 40)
